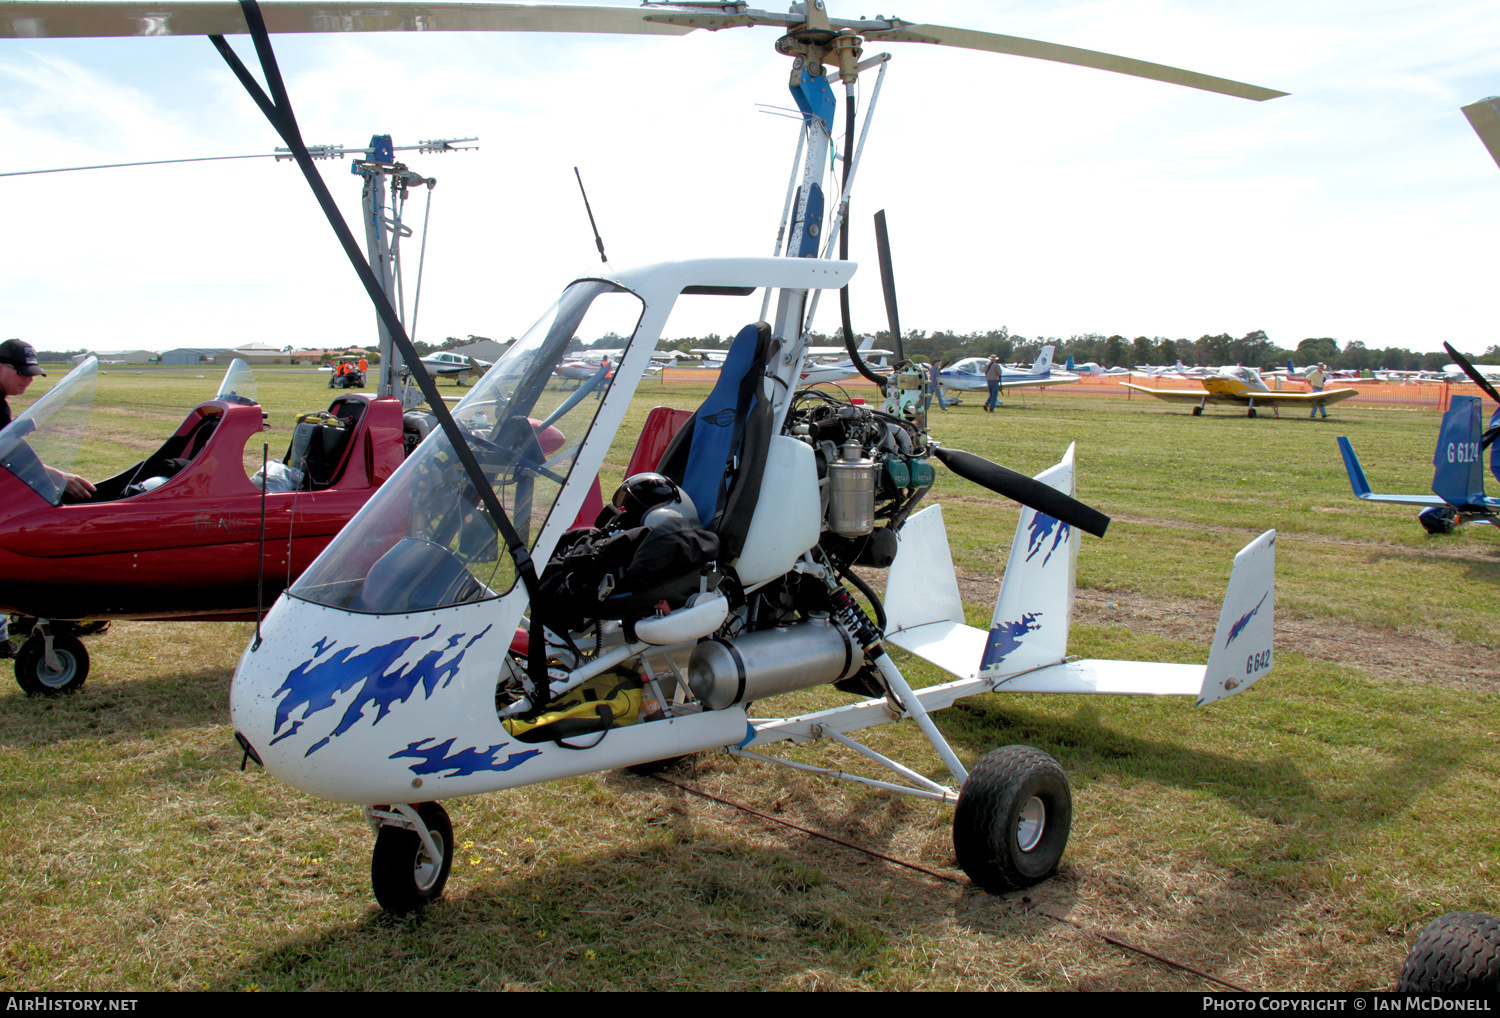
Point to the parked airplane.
(446, 364)
(815, 372)
(1093, 368)
(968, 374)
(1242, 386)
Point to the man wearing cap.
(18, 366)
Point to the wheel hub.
(1031, 824)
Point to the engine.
(873, 469)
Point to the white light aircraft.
(439, 644)
(463, 370)
(817, 372)
(967, 375)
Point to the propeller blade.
(1016, 46)
(80, 20)
(888, 283)
(1472, 372)
(1484, 117)
(1028, 491)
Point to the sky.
(1047, 199)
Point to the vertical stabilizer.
(1030, 626)
(1458, 475)
(1241, 652)
(1044, 361)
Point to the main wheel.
(1197, 411)
(33, 675)
(1251, 413)
(405, 877)
(1013, 818)
(1456, 953)
(1438, 519)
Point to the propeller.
(1488, 439)
(1484, 117)
(888, 283)
(1012, 484)
(1028, 491)
(76, 20)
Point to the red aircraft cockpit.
(177, 535)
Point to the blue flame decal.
(464, 762)
(316, 684)
(1043, 527)
(1006, 637)
(1239, 627)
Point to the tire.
(1438, 519)
(405, 878)
(1251, 412)
(1456, 953)
(1197, 411)
(33, 675)
(1013, 818)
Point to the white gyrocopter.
(463, 635)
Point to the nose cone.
(377, 708)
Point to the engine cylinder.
(722, 673)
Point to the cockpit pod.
(376, 676)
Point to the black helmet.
(643, 492)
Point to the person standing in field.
(1316, 378)
(992, 374)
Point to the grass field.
(1295, 837)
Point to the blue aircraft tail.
(1458, 477)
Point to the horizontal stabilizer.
(1120, 678)
(1362, 487)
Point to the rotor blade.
(29, 20)
(888, 283)
(1016, 46)
(1028, 491)
(1472, 372)
(1484, 117)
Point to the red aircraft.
(179, 534)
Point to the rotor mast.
(813, 46)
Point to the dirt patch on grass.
(1413, 654)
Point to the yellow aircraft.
(1243, 386)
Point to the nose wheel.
(412, 857)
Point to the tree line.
(1254, 349)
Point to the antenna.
(598, 241)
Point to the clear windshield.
(425, 540)
(49, 432)
(239, 384)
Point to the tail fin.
(1459, 475)
(1069, 365)
(1241, 652)
(1356, 472)
(1029, 628)
(1044, 361)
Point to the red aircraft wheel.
(406, 878)
(1013, 819)
(33, 675)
